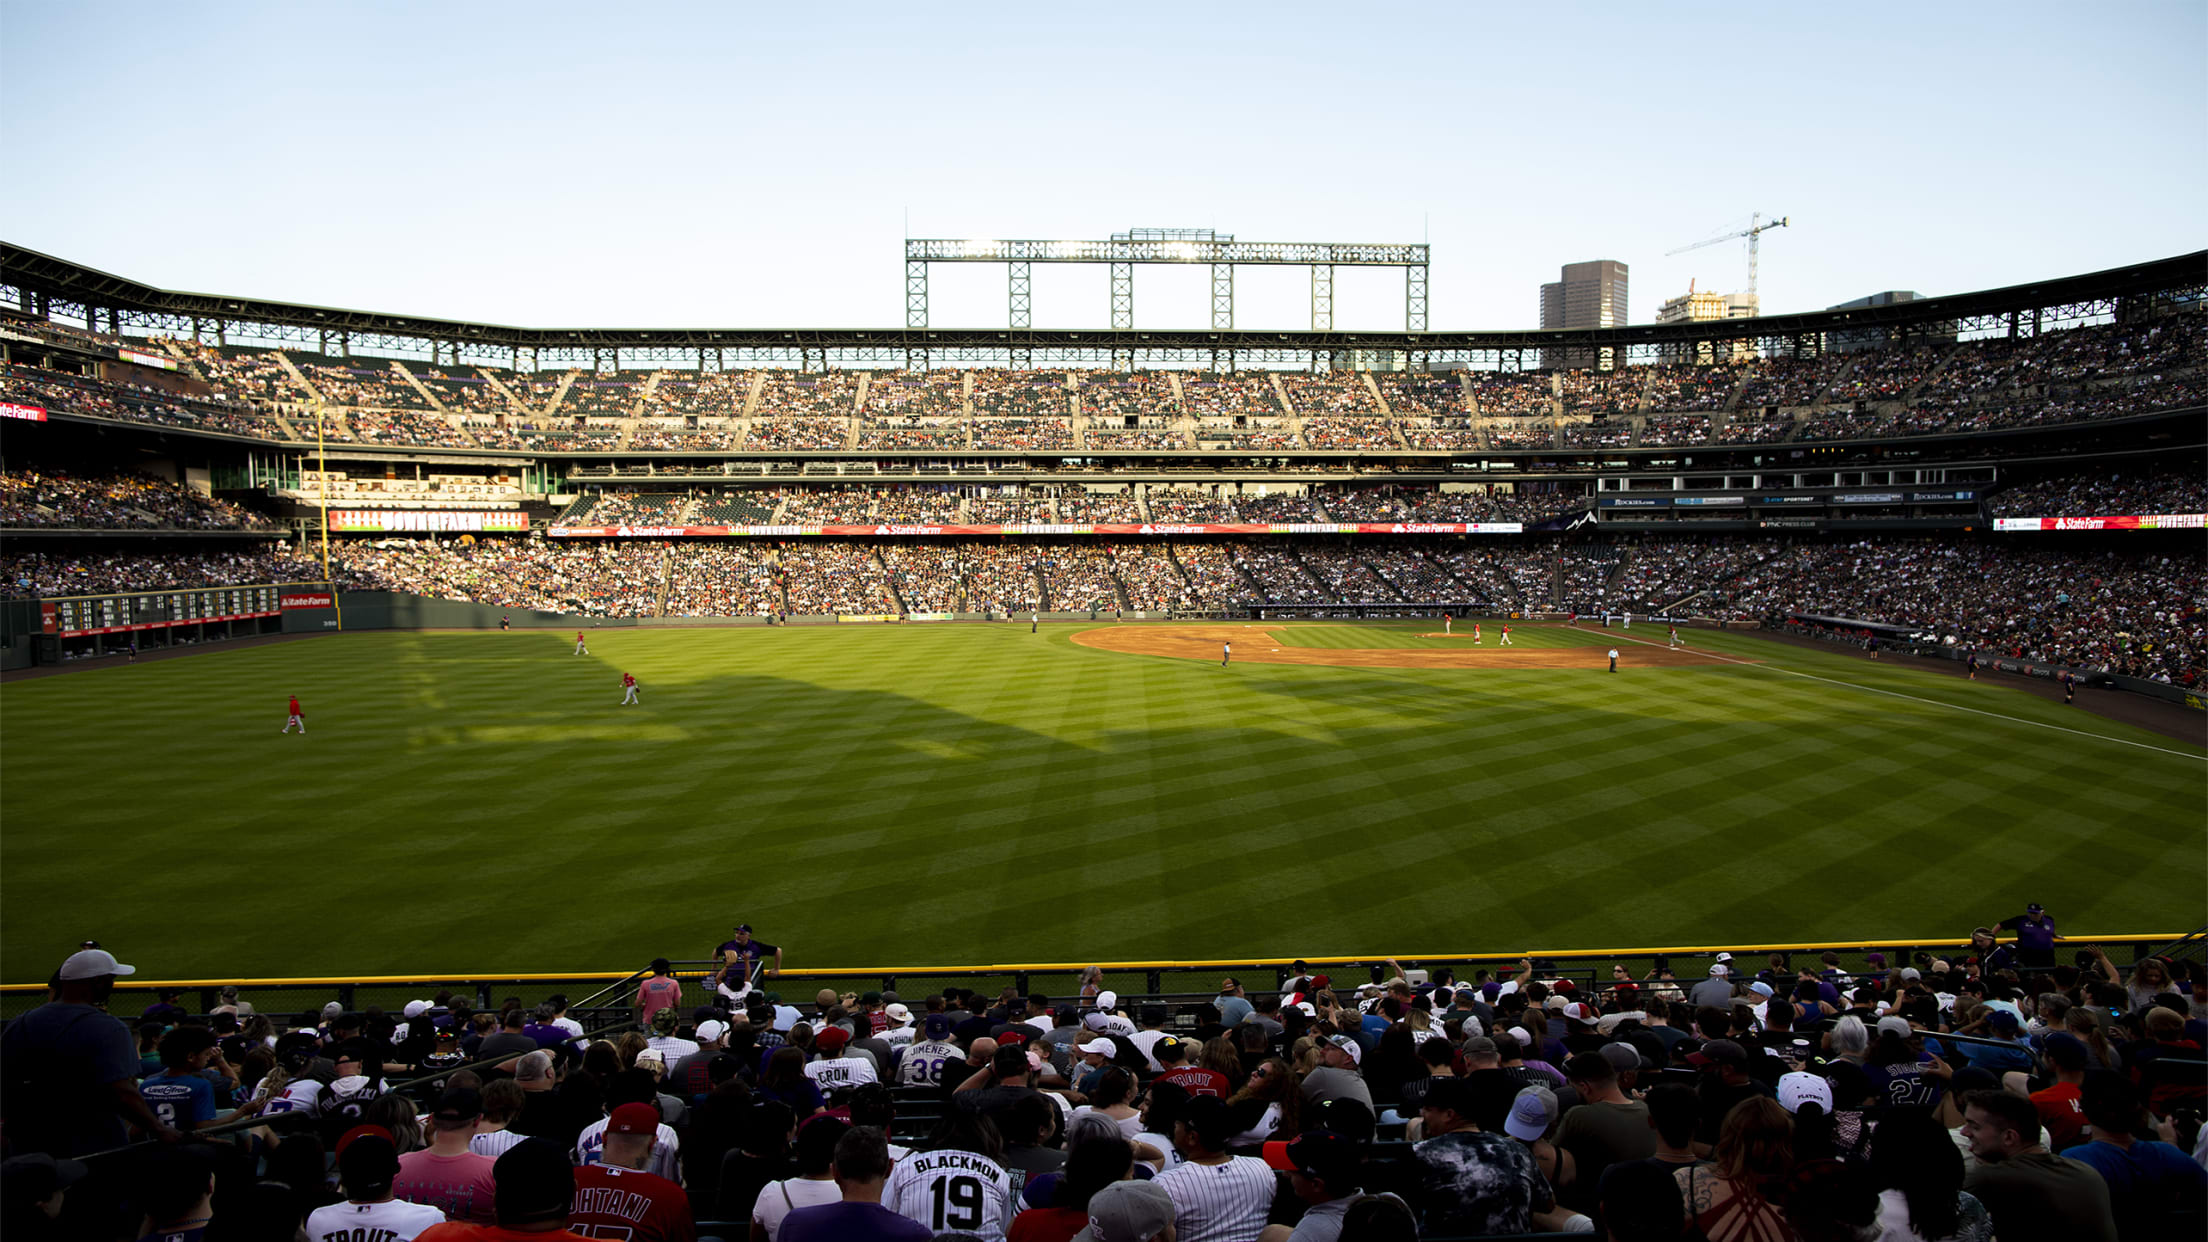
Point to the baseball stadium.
(947, 771)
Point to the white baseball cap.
(415, 1009)
(898, 1013)
(1104, 1046)
(710, 1030)
(92, 964)
(1801, 1087)
(1107, 1000)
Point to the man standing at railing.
(661, 991)
(72, 1068)
(743, 962)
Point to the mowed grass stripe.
(1020, 796)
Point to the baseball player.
(1674, 635)
(506, 623)
(296, 717)
(1571, 619)
(1445, 624)
(2069, 687)
(580, 649)
(1613, 659)
(1506, 636)
(628, 690)
(1475, 633)
(1226, 653)
(1033, 619)
(1629, 620)
(1970, 662)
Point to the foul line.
(2039, 724)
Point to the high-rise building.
(1849, 342)
(1703, 306)
(1587, 295)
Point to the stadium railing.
(607, 992)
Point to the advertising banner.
(2144, 521)
(1868, 498)
(422, 520)
(1125, 528)
(1633, 502)
(146, 360)
(1710, 500)
(322, 599)
(28, 413)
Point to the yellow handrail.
(1002, 968)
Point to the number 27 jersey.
(953, 1192)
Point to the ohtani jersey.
(922, 1063)
(953, 1192)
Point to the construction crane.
(1754, 233)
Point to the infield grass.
(916, 795)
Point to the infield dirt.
(1256, 643)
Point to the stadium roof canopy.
(44, 285)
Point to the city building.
(1586, 295)
(1704, 306)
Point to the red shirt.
(628, 679)
(460, 1186)
(295, 706)
(2064, 1116)
(657, 993)
(626, 1203)
(578, 636)
(1197, 1080)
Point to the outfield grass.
(876, 796)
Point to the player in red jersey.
(295, 716)
(1475, 633)
(580, 649)
(1506, 636)
(628, 690)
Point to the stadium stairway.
(666, 580)
(298, 376)
(418, 386)
(491, 377)
(643, 398)
(567, 381)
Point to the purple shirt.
(851, 1222)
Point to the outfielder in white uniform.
(628, 690)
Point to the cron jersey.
(953, 1192)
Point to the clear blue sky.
(736, 165)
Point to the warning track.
(1255, 643)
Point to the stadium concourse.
(2002, 1088)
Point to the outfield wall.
(395, 610)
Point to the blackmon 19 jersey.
(953, 1192)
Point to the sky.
(740, 165)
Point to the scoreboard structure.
(96, 624)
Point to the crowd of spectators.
(1411, 395)
(362, 382)
(1615, 393)
(1745, 431)
(1148, 577)
(78, 394)
(724, 578)
(1604, 434)
(1343, 570)
(403, 426)
(1020, 394)
(1989, 1091)
(1188, 504)
(715, 394)
(614, 578)
(1213, 578)
(1349, 433)
(2139, 613)
(917, 505)
(1658, 573)
(1677, 430)
(1257, 435)
(632, 509)
(1585, 573)
(1078, 576)
(834, 576)
(115, 501)
(2099, 493)
(1508, 577)
(1787, 382)
(1512, 394)
(1413, 572)
(927, 576)
(827, 506)
(892, 395)
(797, 434)
(1280, 575)
(1030, 434)
(1082, 506)
(913, 433)
(1117, 394)
(677, 437)
(1011, 507)
(1442, 433)
(1148, 436)
(1206, 394)
(25, 574)
(1523, 435)
(1686, 387)
(1884, 374)
(602, 397)
(1332, 393)
(245, 375)
(1000, 577)
(1278, 507)
(465, 394)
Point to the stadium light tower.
(1122, 251)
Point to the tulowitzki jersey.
(953, 1192)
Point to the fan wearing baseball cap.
(367, 1165)
(1326, 1171)
(72, 1069)
(619, 1197)
(1337, 1076)
(1473, 1182)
